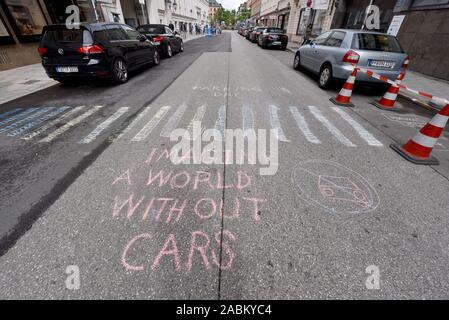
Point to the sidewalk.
(19, 82)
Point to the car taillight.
(271, 37)
(42, 51)
(351, 57)
(257, 33)
(406, 62)
(158, 39)
(90, 49)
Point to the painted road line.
(148, 128)
(70, 124)
(52, 123)
(17, 116)
(220, 124)
(10, 112)
(33, 116)
(37, 122)
(362, 132)
(332, 129)
(104, 125)
(276, 123)
(133, 124)
(303, 126)
(198, 117)
(248, 120)
(173, 123)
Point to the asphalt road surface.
(100, 195)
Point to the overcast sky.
(230, 4)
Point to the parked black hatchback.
(161, 35)
(97, 50)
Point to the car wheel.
(181, 47)
(156, 58)
(297, 62)
(169, 51)
(325, 77)
(120, 71)
(263, 45)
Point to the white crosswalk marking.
(140, 116)
(104, 125)
(198, 117)
(363, 133)
(37, 122)
(33, 116)
(220, 124)
(332, 129)
(52, 123)
(17, 116)
(303, 126)
(70, 124)
(173, 122)
(248, 120)
(148, 128)
(276, 124)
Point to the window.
(131, 33)
(5, 36)
(3, 31)
(116, 33)
(318, 20)
(423, 3)
(376, 42)
(27, 16)
(168, 31)
(66, 36)
(304, 19)
(321, 39)
(336, 39)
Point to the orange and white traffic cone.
(400, 77)
(418, 150)
(388, 100)
(344, 97)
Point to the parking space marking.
(31, 117)
(104, 125)
(276, 124)
(220, 124)
(17, 116)
(303, 126)
(7, 113)
(199, 115)
(363, 133)
(148, 128)
(70, 124)
(332, 129)
(133, 124)
(248, 120)
(173, 122)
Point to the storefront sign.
(320, 4)
(395, 25)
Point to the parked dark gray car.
(332, 55)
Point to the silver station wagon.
(332, 55)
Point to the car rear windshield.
(275, 30)
(376, 42)
(66, 36)
(151, 29)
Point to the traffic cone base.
(347, 104)
(378, 105)
(414, 159)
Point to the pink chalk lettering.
(131, 207)
(236, 213)
(198, 180)
(164, 178)
(164, 203)
(179, 211)
(220, 185)
(150, 157)
(166, 250)
(148, 209)
(256, 202)
(203, 215)
(174, 181)
(240, 176)
(125, 176)
(227, 249)
(202, 249)
(125, 263)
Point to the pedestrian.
(171, 26)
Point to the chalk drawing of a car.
(342, 189)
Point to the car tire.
(297, 62)
(325, 77)
(156, 58)
(119, 71)
(168, 51)
(263, 46)
(181, 47)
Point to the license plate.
(66, 69)
(277, 43)
(381, 64)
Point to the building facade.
(254, 6)
(22, 21)
(214, 6)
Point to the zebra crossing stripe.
(248, 120)
(220, 124)
(52, 123)
(332, 129)
(363, 133)
(37, 122)
(141, 115)
(70, 124)
(104, 125)
(303, 126)
(33, 116)
(173, 122)
(198, 117)
(7, 113)
(148, 128)
(17, 116)
(276, 123)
